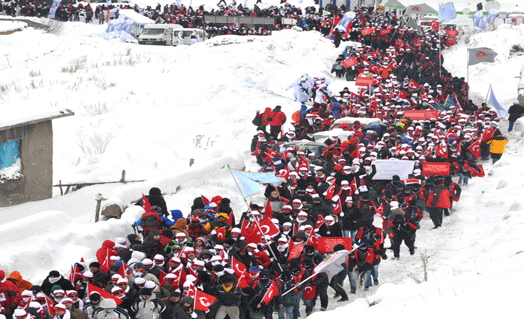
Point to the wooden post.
(123, 179)
(60, 185)
(99, 198)
(191, 162)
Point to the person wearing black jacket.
(356, 262)
(229, 297)
(55, 281)
(515, 111)
(350, 221)
(330, 228)
(338, 280)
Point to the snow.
(12, 172)
(9, 26)
(150, 109)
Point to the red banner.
(326, 244)
(421, 114)
(364, 81)
(435, 168)
(366, 31)
(349, 62)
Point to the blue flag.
(493, 101)
(250, 182)
(447, 12)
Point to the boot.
(308, 313)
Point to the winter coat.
(276, 118)
(62, 283)
(227, 298)
(334, 230)
(156, 199)
(439, 197)
(107, 309)
(497, 144)
(104, 253)
(16, 278)
(515, 111)
(11, 294)
(148, 309)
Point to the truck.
(159, 34)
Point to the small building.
(26, 155)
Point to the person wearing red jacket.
(10, 296)
(104, 253)
(439, 199)
(276, 119)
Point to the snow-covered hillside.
(158, 107)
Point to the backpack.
(151, 220)
(257, 121)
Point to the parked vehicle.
(159, 34)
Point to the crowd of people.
(308, 18)
(209, 265)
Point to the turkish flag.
(205, 200)
(237, 266)
(312, 239)
(309, 292)
(349, 62)
(146, 204)
(231, 219)
(413, 85)
(103, 293)
(374, 68)
(161, 277)
(337, 207)
(284, 173)
(474, 149)
(244, 280)
(221, 233)
(124, 270)
(478, 174)
(50, 305)
(435, 25)
(268, 228)
(272, 153)
(270, 293)
(320, 221)
(180, 276)
(330, 192)
(268, 210)
(441, 151)
(203, 301)
(254, 235)
(295, 249)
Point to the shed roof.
(26, 116)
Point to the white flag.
(493, 101)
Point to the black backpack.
(257, 121)
(151, 220)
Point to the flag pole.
(269, 245)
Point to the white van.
(159, 34)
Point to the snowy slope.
(163, 106)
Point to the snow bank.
(10, 26)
